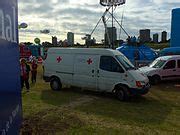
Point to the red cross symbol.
(59, 59)
(89, 61)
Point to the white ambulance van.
(163, 68)
(94, 69)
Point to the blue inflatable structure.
(174, 48)
(175, 28)
(141, 53)
(170, 51)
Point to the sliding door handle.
(98, 71)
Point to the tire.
(122, 93)
(55, 84)
(155, 79)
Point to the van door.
(169, 70)
(85, 75)
(109, 73)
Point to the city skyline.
(63, 16)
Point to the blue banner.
(10, 90)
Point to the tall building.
(88, 40)
(164, 37)
(112, 32)
(54, 40)
(70, 38)
(145, 35)
(155, 38)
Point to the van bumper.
(46, 78)
(141, 91)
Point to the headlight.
(140, 83)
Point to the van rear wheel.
(122, 93)
(55, 84)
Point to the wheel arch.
(119, 85)
(55, 77)
(155, 75)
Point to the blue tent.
(140, 53)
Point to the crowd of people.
(27, 69)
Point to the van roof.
(85, 51)
(169, 57)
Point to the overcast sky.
(81, 16)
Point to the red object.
(24, 51)
(40, 60)
(89, 61)
(138, 84)
(59, 59)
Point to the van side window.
(108, 63)
(170, 64)
(178, 63)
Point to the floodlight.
(112, 2)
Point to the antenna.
(109, 4)
(112, 4)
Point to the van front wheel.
(155, 79)
(122, 93)
(55, 84)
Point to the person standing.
(24, 74)
(43, 62)
(34, 67)
(28, 69)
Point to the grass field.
(72, 111)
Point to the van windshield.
(157, 63)
(125, 62)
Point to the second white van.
(163, 68)
(94, 69)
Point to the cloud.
(81, 16)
